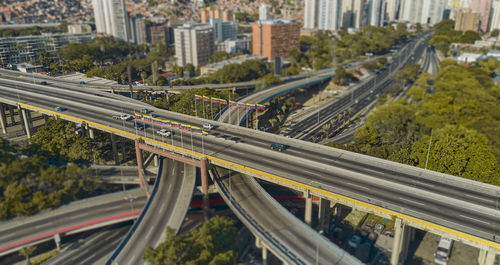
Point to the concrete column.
(264, 255)
(140, 168)
(27, 122)
(115, 149)
(156, 161)
(486, 257)
(91, 133)
(204, 187)
(402, 236)
(124, 154)
(12, 119)
(3, 120)
(28, 114)
(57, 239)
(324, 213)
(308, 208)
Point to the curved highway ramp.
(168, 207)
(287, 237)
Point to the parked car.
(354, 241)
(338, 236)
(278, 146)
(164, 132)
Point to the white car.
(164, 132)
(208, 126)
(124, 117)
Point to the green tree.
(26, 252)
(470, 37)
(219, 56)
(494, 33)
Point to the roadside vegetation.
(453, 119)
(51, 171)
(214, 243)
(445, 35)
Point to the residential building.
(15, 50)
(111, 18)
(375, 13)
(240, 44)
(484, 8)
(467, 20)
(223, 30)
(79, 28)
(310, 14)
(411, 11)
(329, 14)
(359, 14)
(422, 11)
(392, 10)
(212, 13)
(273, 38)
(194, 44)
(160, 33)
(138, 31)
(264, 13)
(495, 15)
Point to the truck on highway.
(443, 251)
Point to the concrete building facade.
(111, 18)
(484, 8)
(467, 20)
(223, 30)
(375, 13)
(310, 14)
(194, 44)
(213, 13)
(495, 15)
(273, 38)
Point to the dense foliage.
(445, 35)
(214, 243)
(461, 112)
(36, 30)
(28, 183)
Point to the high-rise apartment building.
(138, 31)
(111, 18)
(160, 33)
(392, 10)
(311, 14)
(484, 8)
(329, 14)
(271, 38)
(194, 44)
(467, 20)
(495, 15)
(223, 30)
(264, 13)
(375, 12)
(422, 11)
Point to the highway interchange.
(468, 207)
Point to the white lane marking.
(477, 220)
(114, 207)
(131, 260)
(42, 225)
(404, 199)
(170, 188)
(356, 185)
(84, 261)
(483, 212)
(479, 198)
(78, 216)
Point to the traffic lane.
(314, 176)
(52, 223)
(291, 232)
(149, 230)
(90, 249)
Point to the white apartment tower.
(111, 18)
(495, 15)
(264, 12)
(392, 10)
(376, 13)
(194, 44)
(310, 14)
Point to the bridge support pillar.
(124, 154)
(486, 257)
(11, 113)
(260, 244)
(156, 161)
(115, 149)
(140, 168)
(324, 214)
(3, 119)
(402, 236)
(308, 208)
(204, 187)
(57, 239)
(91, 133)
(27, 122)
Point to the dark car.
(138, 126)
(82, 82)
(144, 111)
(43, 83)
(60, 109)
(278, 146)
